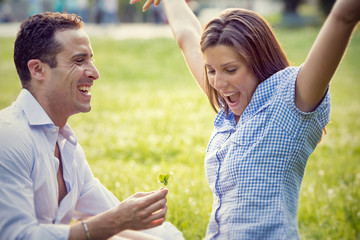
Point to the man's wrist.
(86, 230)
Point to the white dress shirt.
(28, 185)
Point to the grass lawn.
(149, 117)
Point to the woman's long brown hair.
(252, 37)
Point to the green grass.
(149, 117)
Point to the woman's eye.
(231, 70)
(210, 71)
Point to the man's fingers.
(157, 222)
(142, 194)
(157, 218)
(149, 202)
(153, 224)
(155, 196)
(160, 214)
(156, 207)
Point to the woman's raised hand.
(147, 3)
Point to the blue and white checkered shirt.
(255, 168)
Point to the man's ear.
(37, 69)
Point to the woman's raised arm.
(326, 54)
(187, 31)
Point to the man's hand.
(138, 212)
(142, 210)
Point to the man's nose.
(92, 72)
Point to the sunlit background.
(150, 118)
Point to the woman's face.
(230, 75)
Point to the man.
(45, 179)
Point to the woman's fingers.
(147, 3)
(134, 1)
(157, 2)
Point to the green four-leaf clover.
(164, 179)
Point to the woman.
(270, 116)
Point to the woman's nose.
(219, 81)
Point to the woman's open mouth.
(232, 97)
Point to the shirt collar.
(223, 122)
(35, 114)
(68, 134)
(262, 97)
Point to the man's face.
(68, 87)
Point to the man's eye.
(79, 60)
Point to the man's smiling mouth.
(85, 89)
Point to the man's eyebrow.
(82, 55)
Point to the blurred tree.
(290, 6)
(290, 16)
(326, 6)
(130, 13)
